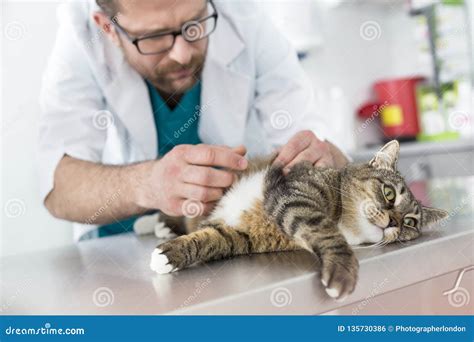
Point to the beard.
(176, 78)
(168, 76)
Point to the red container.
(396, 103)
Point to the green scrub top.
(174, 127)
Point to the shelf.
(420, 148)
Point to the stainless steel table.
(111, 275)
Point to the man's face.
(174, 71)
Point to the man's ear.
(387, 156)
(430, 216)
(106, 27)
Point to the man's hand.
(305, 146)
(186, 182)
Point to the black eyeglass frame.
(174, 33)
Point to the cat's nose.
(392, 223)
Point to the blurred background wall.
(28, 33)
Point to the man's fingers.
(325, 158)
(317, 153)
(200, 193)
(307, 155)
(325, 161)
(295, 146)
(241, 149)
(209, 155)
(206, 176)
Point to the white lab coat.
(254, 92)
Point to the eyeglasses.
(191, 31)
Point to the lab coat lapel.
(128, 97)
(124, 89)
(225, 92)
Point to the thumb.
(240, 150)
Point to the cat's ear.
(387, 156)
(430, 216)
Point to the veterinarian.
(148, 104)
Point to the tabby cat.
(322, 210)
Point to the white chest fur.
(362, 231)
(241, 196)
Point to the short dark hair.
(110, 7)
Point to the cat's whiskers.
(400, 241)
(379, 244)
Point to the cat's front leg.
(339, 266)
(213, 241)
(339, 272)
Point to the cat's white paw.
(163, 232)
(146, 224)
(160, 263)
(333, 293)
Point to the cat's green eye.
(409, 222)
(388, 193)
